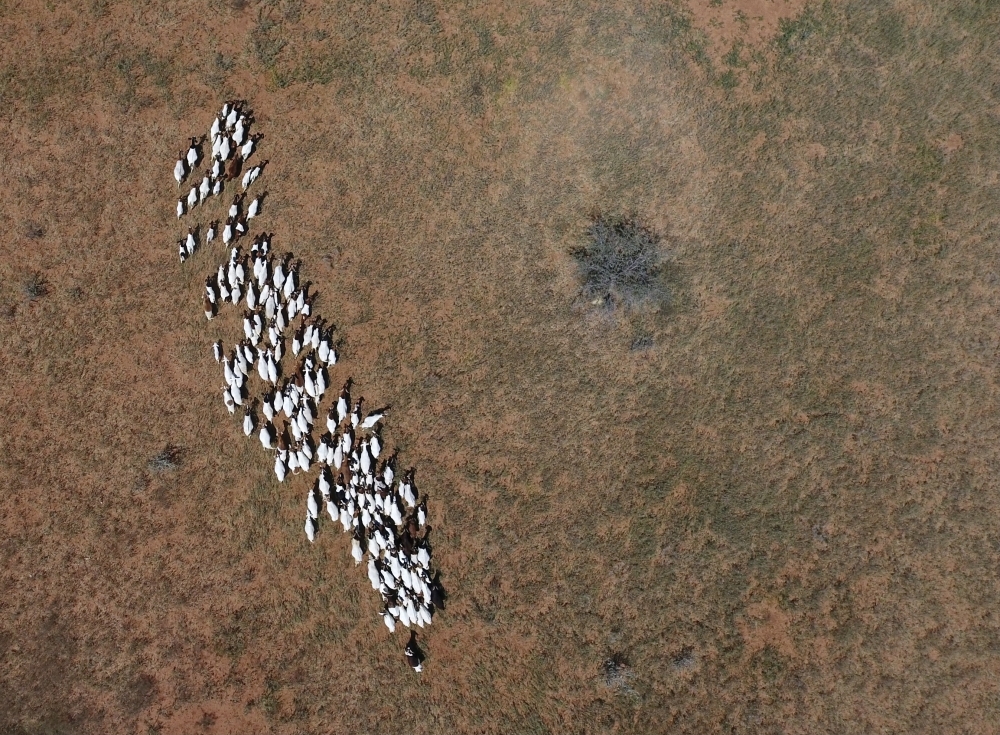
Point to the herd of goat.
(357, 484)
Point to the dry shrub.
(168, 458)
(617, 674)
(623, 262)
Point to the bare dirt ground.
(781, 514)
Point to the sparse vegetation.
(265, 40)
(622, 263)
(217, 69)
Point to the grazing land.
(765, 504)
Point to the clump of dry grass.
(622, 263)
(168, 458)
(35, 287)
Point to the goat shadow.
(414, 647)
(439, 595)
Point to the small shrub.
(33, 230)
(729, 80)
(138, 693)
(169, 458)
(425, 11)
(268, 701)
(734, 57)
(622, 263)
(292, 11)
(222, 62)
(207, 719)
(683, 659)
(794, 32)
(35, 287)
(642, 342)
(616, 673)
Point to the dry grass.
(780, 503)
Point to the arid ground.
(771, 499)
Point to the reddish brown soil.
(782, 514)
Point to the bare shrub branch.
(622, 263)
